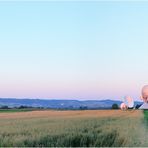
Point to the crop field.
(74, 128)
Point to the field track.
(72, 114)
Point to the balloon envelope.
(123, 106)
(129, 101)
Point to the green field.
(74, 128)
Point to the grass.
(74, 129)
(145, 116)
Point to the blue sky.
(73, 50)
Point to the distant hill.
(59, 104)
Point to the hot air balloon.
(129, 101)
(144, 97)
(123, 106)
(145, 93)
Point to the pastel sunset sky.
(73, 50)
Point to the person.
(129, 102)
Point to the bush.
(115, 106)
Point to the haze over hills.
(59, 104)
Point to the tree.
(4, 107)
(83, 107)
(23, 107)
(115, 106)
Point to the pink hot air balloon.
(123, 106)
(145, 93)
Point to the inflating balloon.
(145, 93)
(123, 106)
(129, 101)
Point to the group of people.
(129, 102)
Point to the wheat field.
(73, 128)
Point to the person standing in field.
(129, 102)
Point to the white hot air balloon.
(129, 101)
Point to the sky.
(73, 50)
